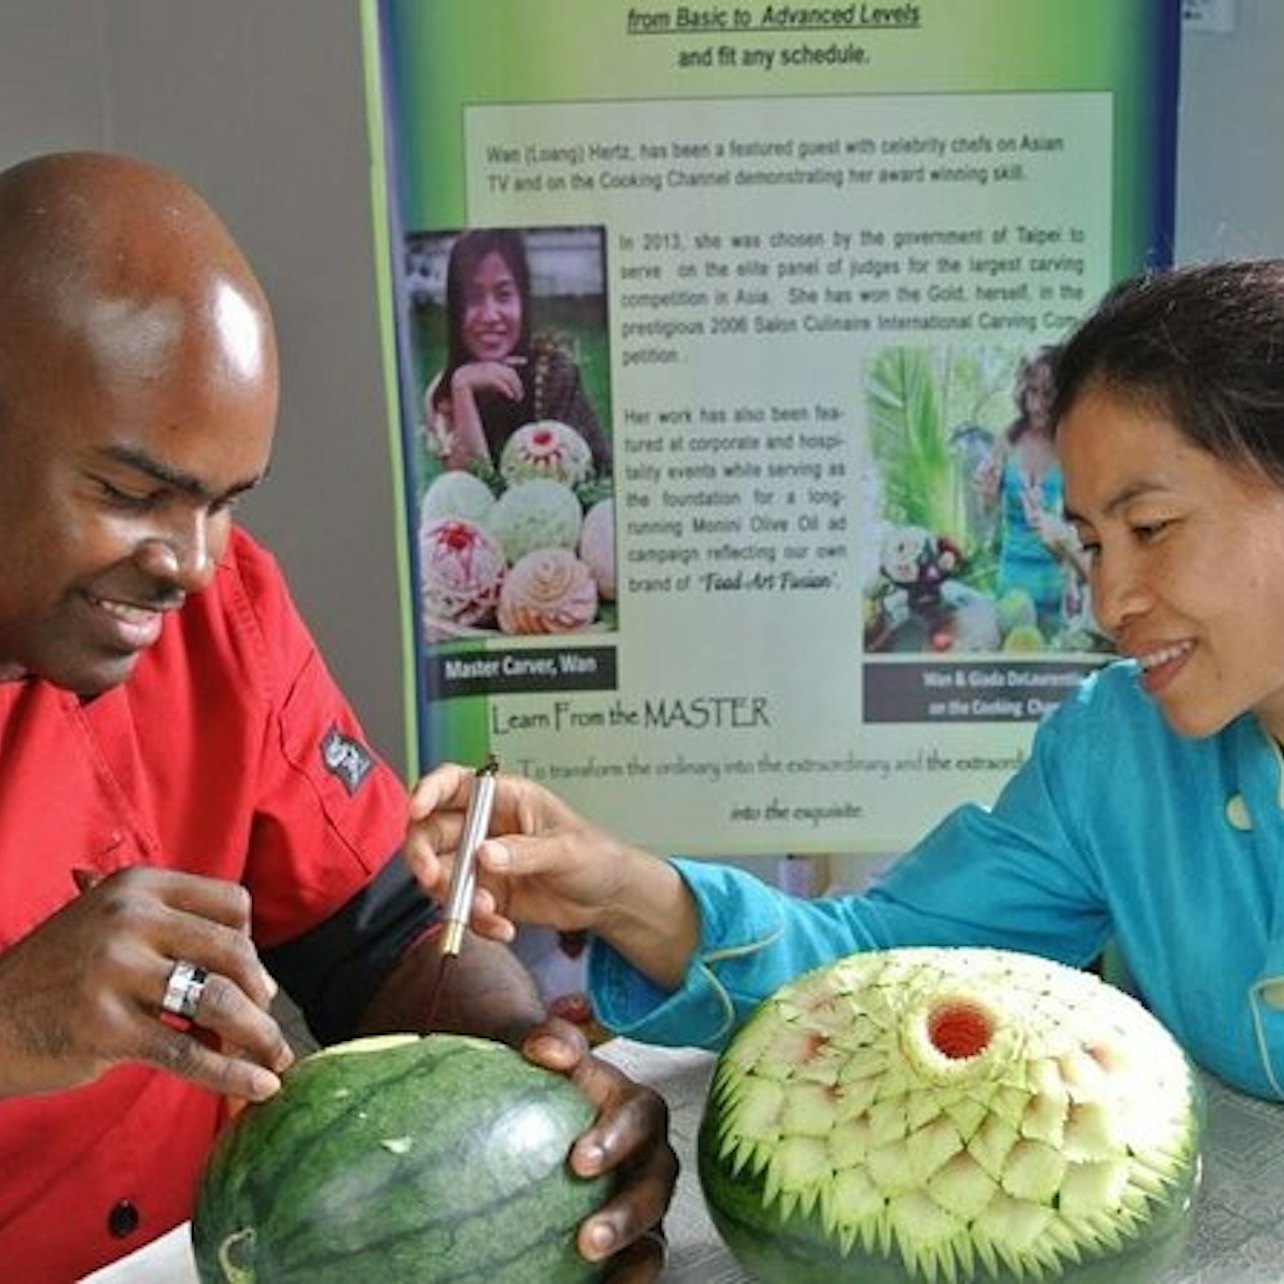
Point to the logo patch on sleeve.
(346, 758)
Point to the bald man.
(189, 812)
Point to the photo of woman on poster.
(970, 549)
(1039, 557)
(497, 377)
(516, 516)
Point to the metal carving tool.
(463, 878)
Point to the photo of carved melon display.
(952, 1115)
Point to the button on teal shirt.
(1116, 829)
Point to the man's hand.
(490, 994)
(630, 1138)
(82, 992)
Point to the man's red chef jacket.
(229, 752)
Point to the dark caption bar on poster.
(967, 691)
(510, 671)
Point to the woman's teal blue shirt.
(1115, 830)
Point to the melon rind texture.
(952, 1114)
(401, 1158)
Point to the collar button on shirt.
(123, 1220)
(1237, 813)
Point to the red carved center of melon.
(455, 536)
(959, 1030)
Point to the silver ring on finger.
(183, 990)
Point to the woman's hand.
(988, 475)
(629, 1137)
(460, 426)
(548, 865)
(82, 992)
(499, 377)
(566, 877)
(1050, 527)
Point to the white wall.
(1230, 182)
(260, 104)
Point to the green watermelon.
(952, 1115)
(401, 1158)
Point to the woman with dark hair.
(1149, 813)
(498, 376)
(1038, 552)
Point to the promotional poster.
(719, 339)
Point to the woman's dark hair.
(1203, 345)
(1041, 362)
(466, 255)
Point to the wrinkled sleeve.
(753, 939)
(1014, 877)
(333, 905)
